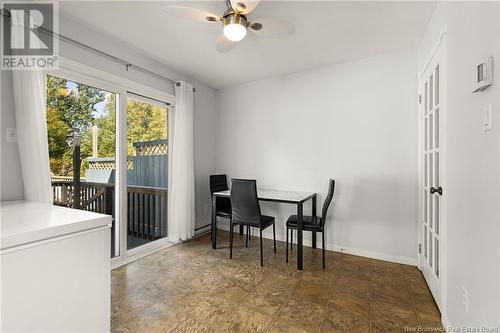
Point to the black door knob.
(438, 190)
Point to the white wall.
(355, 122)
(472, 165)
(204, 107)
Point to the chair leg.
(274, 237)
(231, 239)
(261, 250)
(286, 245)
(323, 245)
(212, 229)
(291, 239)
(246, 237)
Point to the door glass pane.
(431, 131)
(436, 126)
(436, 247)
(436, 209)
(431, 166)
(436, 84)
(81, 134)
(436, 168)
(426, 93)
(426, 134)
(426, 169)
(430, 249)
(425, 206)
(431, 92)
(425, 241)
(147, 157)
(431, 211)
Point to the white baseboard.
(446, 323)
(372, 254)
(202, 231)
(340, 248)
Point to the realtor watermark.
(29, 35)
(450, 329)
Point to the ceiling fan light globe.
(235, 32)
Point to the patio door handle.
(438, 190)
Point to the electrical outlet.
(465, 299)
(11, 135)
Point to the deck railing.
(147, 206)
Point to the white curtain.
(29, 102)
(181, 217)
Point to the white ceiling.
(327, 32)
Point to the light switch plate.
(487, 119)
(484, 75)
(11, 135)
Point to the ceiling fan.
(236, 22)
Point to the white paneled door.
(431, 228)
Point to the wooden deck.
(146, 207)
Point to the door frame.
(81, 73)
(438, 50)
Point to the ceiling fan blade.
(193, 13)
(224, 45)
(244, 6)
(272, 28)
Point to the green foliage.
(73, 112)
(68, 113)
(75, 107)
(107, 125)
(58, 133)
(145, 122)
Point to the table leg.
(214, 222)
(300, 258)
(314, 215)
(241, 230)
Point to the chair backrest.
(218, 183)
(328, 200)
(244, 201)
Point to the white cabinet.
(55, 269)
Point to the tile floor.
(192, 288)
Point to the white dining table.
(290, 197)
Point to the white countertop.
(23, 222)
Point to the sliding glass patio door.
(108, 151)
(147, 170)
(81, 122)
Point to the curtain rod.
(127, 64)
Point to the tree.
(75, 106)
(69, 112)
(145, 122)
(58, 133)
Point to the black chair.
(219, 183)
(223, 206)
(312, 223)
(246, 211)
